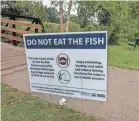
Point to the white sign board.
(68, 64)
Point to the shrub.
(73, 27)
(51, 27)
(93, 27)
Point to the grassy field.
(19, 106)
(123, 56)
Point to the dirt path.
(123, 95)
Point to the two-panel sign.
(68, 64)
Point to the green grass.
(19, 106)
(123, 56)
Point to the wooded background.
(119, 18)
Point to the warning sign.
(63, 60)
(68, 64)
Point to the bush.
(93, 27)
(111, 31)
(73, 27)
(51, 27)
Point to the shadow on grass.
(127, 49)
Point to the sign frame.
(69, 33)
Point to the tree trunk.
(68, 17)
(61, 15)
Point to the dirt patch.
(128, 49)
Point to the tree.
(32, 8)
(68, 17)
(74, 18)
(60, 4)
(113, 16)
(86, 12)
(10, 7)
(133, 27)
(103, 16)
(61, 15)
(52, 15)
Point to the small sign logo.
(63, 60)
(64, 76)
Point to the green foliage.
(94, 27)
(74, 18)
(32, 8)
(73, 27)
(129, 32)
(52, 15)
(51, 27)
(85, 12)
(10, 7)
(119, 18)
(103, 16)
(28, 8)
